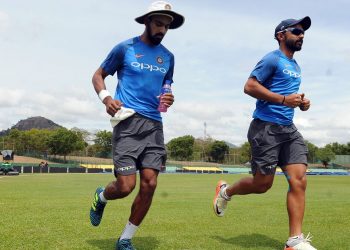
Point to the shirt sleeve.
(265, 68)
(114, 60)
(169, 75)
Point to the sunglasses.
(294, 31)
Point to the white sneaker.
(304, 243)
(219, 202)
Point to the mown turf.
(51, 211)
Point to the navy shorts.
(275, 145)
(138, 142)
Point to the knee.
(123, 189)
(263, 187)
(148, 186)
(298, 183)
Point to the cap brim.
(178, 19)
(304, 22)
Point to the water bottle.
(165, 89)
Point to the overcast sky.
(50, 49)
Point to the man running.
(143, 66)
(273, 137)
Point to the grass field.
(50, 211)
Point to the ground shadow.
(252, 240)
(147, 243)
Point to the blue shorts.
(275, 145)
(138, 142)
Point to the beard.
(156, 38)
(294, 45)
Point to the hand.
(305, 104)
(167, 99)
(293, 100)
(112, 106)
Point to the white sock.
(224, 194)
(294, 240)
(102, 197)
(129, 231)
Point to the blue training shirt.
(281, 75)
(142, 70)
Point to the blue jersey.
(142, 70)
(281, 75)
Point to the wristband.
(103, 94)
(284, 98)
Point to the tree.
(103, 143)
(63, 141)
(218, 150)
(311, 157)
(339, 149)
(325, 155)
(181, 148)
(245, 153)
(201, 148)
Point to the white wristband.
(103, 94)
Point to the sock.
(128, 231)
(224, 194)
(292, 241)
(102, 197)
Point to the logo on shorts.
(159, 60)
(271, 166)
(122, 169)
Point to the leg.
(265, 151)
(257, 184)
(296, 177)
(121, 187)
(143, 200)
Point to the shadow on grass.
(148, 243)
(252, 240)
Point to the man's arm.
(98, 81)
(258, 91)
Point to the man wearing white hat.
(143, 66)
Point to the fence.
(56, 169)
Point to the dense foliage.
(64, 142)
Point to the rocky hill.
(37, 122)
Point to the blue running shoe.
(97, 207)
(124, 244)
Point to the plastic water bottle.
(165, 89)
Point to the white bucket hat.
(163, 8)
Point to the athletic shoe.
(124, 244)
(97, 207)
(304, 243)
(219, 202)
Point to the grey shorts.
(138, 142)
(275, 145)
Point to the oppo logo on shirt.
(291, 73)
(149, 67)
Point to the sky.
(49, 51)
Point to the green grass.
(50, 211)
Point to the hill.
(37, 122)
